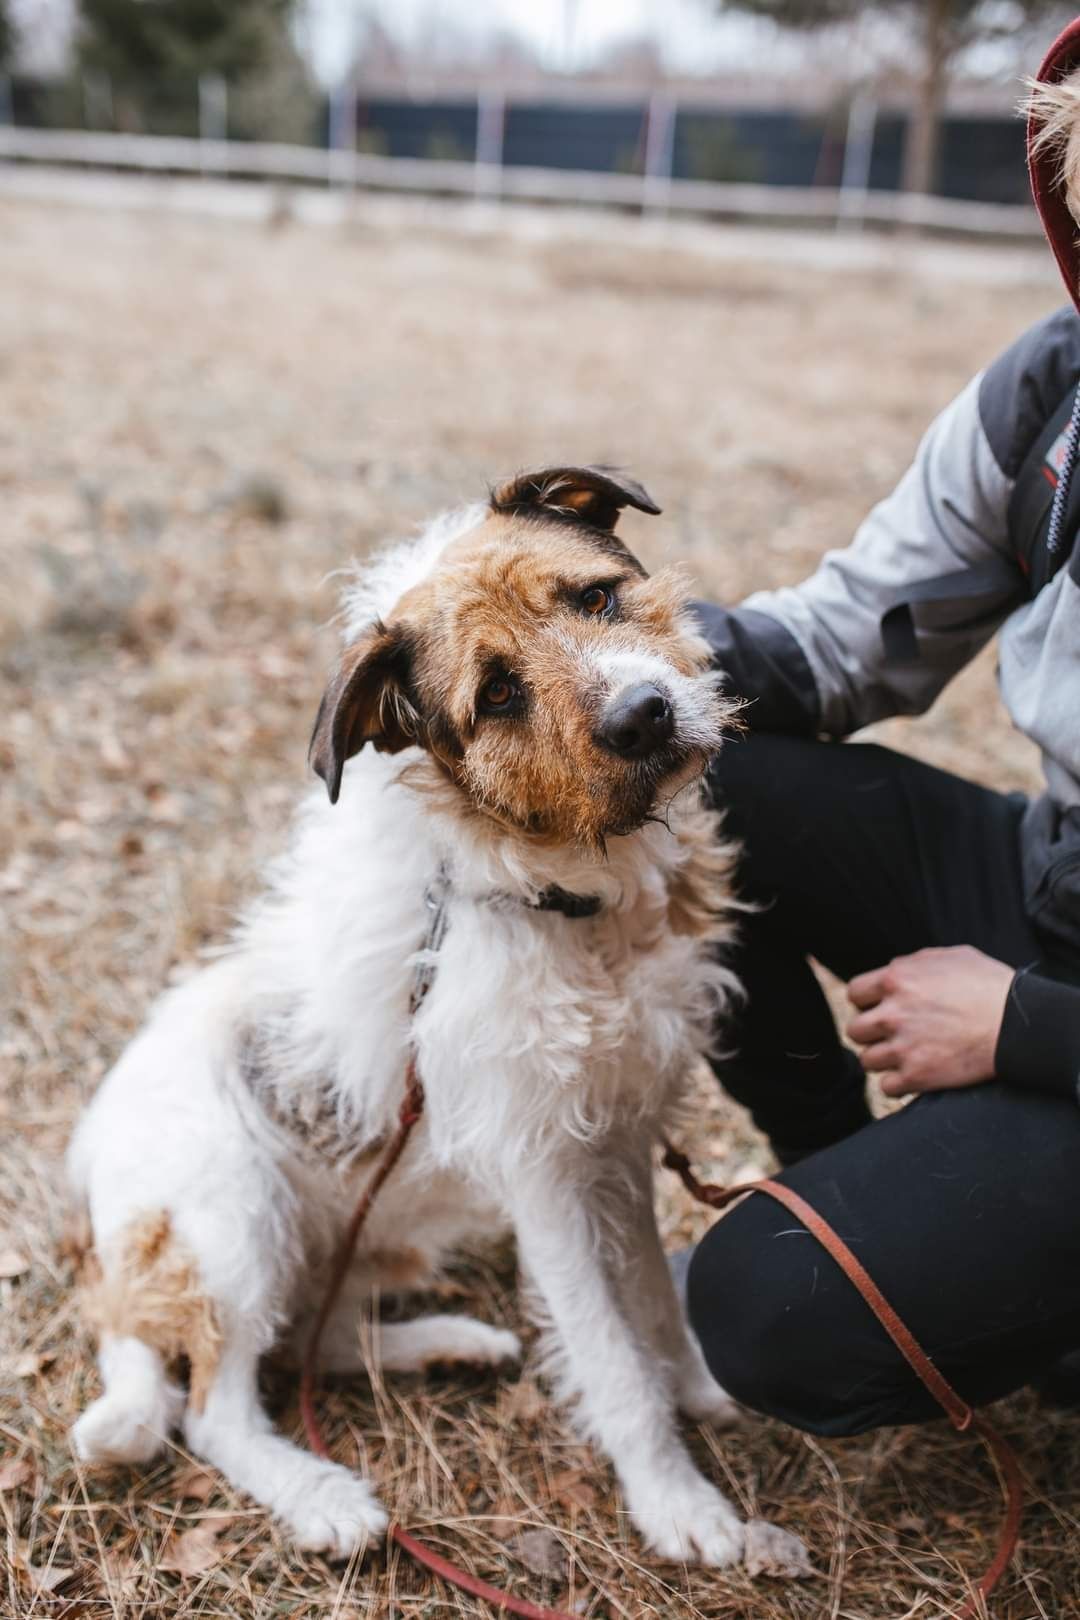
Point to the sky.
(694, 36)
(565, 33)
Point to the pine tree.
(151, 53)
(7, 37)
(138, 40)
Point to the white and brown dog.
(535, 704)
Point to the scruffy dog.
(536, 703)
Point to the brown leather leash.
(956, 1409)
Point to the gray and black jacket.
(932, 574)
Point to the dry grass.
(199, 422)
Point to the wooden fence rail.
(153, 154)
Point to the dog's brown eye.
(597, 601)
(499, 694)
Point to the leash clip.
(436, 899)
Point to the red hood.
(1058, 223)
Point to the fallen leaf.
(194, 1482)
(165, 807)
(913, 1523)
(542, 1553)
(775, 1552)
(15, 1472)
(123, 1573)
(49, 1579)
(12, 878)
(27, 1365)
(12, 1263)
(505, 1518)
(571, 1486)
(522, 1402)
(113, 753)
(192, 1552)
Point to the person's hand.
(930, 1022)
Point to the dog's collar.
(569, 905)
(437, 900)
(553, 898)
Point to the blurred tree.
(275, 99)
(715, 152)
(147, 47)
(942, 29)
(7, 36)
(136, 40)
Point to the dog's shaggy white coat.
(552, 1052)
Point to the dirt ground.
(199, 421)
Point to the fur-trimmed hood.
(1053, 122)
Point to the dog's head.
(562, 690)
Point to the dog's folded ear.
(592, 495)
(366, 701)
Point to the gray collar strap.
(437, 901)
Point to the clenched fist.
(930, 1022)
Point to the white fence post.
(342, 134)
(213, 113)
(858, 152)
(659, 152)
(490, 129)
(97, 100)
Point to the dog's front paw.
(337, 1514)
(126, 1427)
(690, 1523)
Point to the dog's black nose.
(637, 722)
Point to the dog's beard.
(654, 784)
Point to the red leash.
(956, 1409)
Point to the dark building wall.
(556, 136)
(418, 129)
(773, 148)
(985, 159)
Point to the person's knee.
(757, 777)
(752, 763)
(763, 770)
(768, 1332)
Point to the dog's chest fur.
(537, 1029)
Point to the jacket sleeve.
(1038, 1046)
(936, 549)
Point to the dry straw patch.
(200, 421)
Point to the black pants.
(965, 1206)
